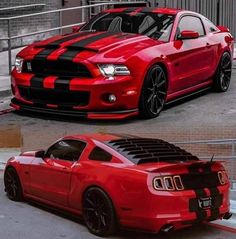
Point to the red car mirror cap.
(188, 35)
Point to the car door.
(193, 58)
(50, 179)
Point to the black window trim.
(190, 15)
(66, 140)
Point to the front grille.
(52, 96)
(200, 180)
(62, 68)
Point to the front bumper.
(66, 101)
(18, 105)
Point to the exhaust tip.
(227, 215)
(167, 228)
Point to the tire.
(223, 74)
(12, 184)
(98, 212)
(153, 94)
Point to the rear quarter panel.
(126, 188)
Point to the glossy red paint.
(130, 186)
(190, 65)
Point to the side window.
(209, 25)
(190, 23)
(69, 150)
(100, 155)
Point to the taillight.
(168, 183)
(223, 177)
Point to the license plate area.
(205, 203)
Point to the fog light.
(111, 98)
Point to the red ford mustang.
(123, 62)
(120, 180)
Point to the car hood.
(93, 45)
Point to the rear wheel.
(98, 212)
(153, 93)
(12, 185)
(223, 74)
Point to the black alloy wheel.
(223, 74)
(154, 92)
(12, 185)
(98, 212)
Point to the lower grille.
(52, 96)
(200, 180)
(62, 68)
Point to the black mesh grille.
(53, 96)
(145, 150)
(62, 68)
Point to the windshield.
(154, 25)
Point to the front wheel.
(12, 185)
(153, 93)
(98, 212)
(223, 73)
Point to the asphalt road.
(20, 220)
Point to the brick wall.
(29, 24)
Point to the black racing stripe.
(131, 9)
(201, 214)
(214, 194)
(148, 9)
(52, 46)
(71, 53)
(62, 83)
(36, 82)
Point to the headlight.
(113, 70)
(19, 64)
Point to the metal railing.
(9, 37)
(23, 7)
(230, 159)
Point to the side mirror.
(40, 154)
(184, 35)
(223, 28)
(76, 28)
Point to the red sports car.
(121, 180)
(123, 62)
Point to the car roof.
(138, 150)
(171, 11)
(101, 137)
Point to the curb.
(5, 93)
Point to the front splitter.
(122, 114)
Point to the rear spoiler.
(176, 166)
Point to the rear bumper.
(122, 114)
(175, 209)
